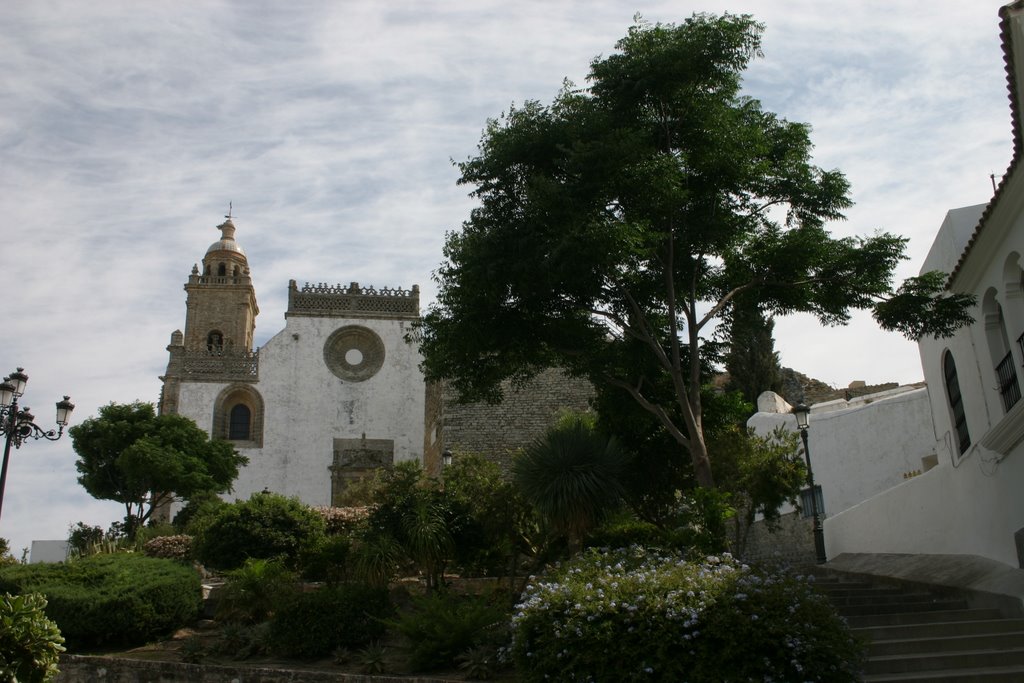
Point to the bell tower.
(220, 321)
(221, 305)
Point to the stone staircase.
(919, 635)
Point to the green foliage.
(623, 529)
(5, 553)
(623, 220)
(441, 626)
(373, 659)
(30, 642)
(497, 526)
(326, 559)
(630, 615)
(120, 598)
(760, 472)
(412, 522)
(253, 591)
(266, 526)
(571, 476)
(315, 624)
(133, 456)
(752, 362)
(478, 662)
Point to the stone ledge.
(88, 669)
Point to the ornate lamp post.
(16, 423)
(802, 413)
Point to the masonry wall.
(498, 431)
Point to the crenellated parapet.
(352, 301)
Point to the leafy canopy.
(133, 456)
(619, 223)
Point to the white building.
(334, 394)
(971, 503)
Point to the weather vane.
(229, 211)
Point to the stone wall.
(792, 543)
(497, 431)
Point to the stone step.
(888, 598)
(976, 642)
(929, 617)
(902, 607)
(944, 661)
(991, 674)
(943, 629)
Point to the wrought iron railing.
(1009, 388)
(222, 365)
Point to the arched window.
(222, 270)
(238, 415)
(999, 348)
(239, 423)
(234, 271)
(215, 341)
(956, 403)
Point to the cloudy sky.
(126, 128)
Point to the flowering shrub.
(177, 547)
(342, 520)
(631, 615)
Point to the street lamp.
(802, 413)
(446, 458)
(17, 425)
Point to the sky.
(331, 127)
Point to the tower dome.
(227, 240)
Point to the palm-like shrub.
(571, 476)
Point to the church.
(338, 392)
(333, 395)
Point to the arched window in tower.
(215, 341)
(238, 416)
(222, 270)
(239, 423)
(956, 403)
(234, 272)
(206, 271)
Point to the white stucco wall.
(306, 407)
(972, 509)
(971, 503)
(859, 447)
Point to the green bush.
(316, 624)
(266, 526)
(326, 560)
(630, 615)
(30, 643)
(253, 591)
(442, 626)
(118, 598)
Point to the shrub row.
(120, 598)
(317, 623)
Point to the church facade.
(335, 394)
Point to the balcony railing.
(1009, 389)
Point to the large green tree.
(624, 218)
(143, 460)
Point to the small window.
(222, 270)
(215, 341)
(239, 423)
(235, 271)
(956, 403)
(806, 511)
